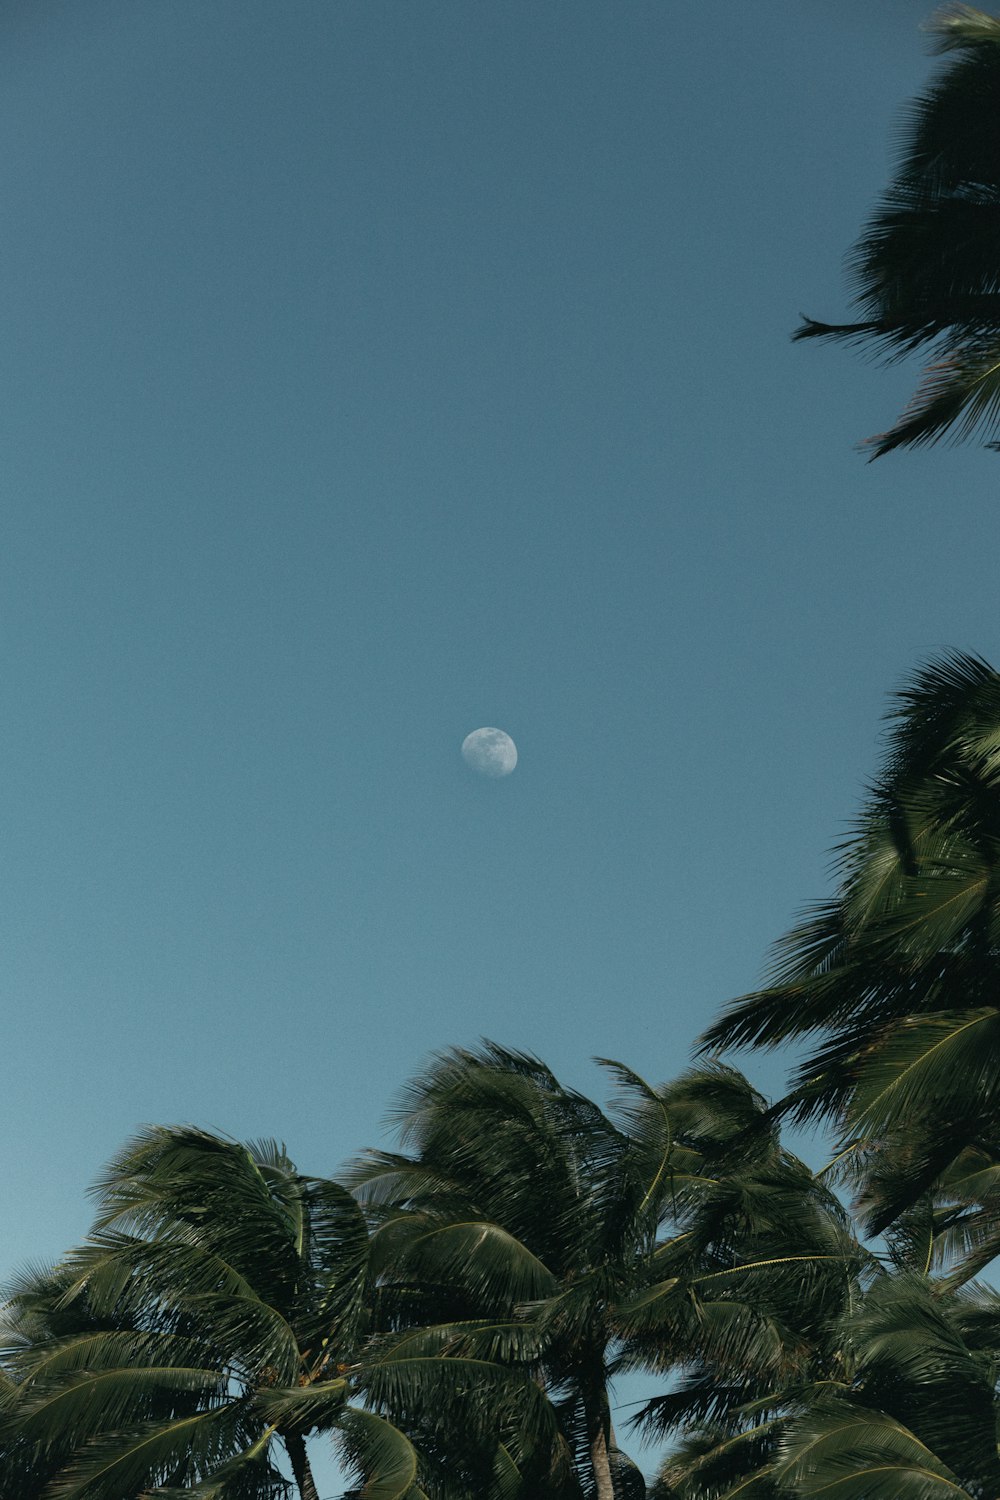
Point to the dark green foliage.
(900, 976)
(671, 1234)
(205, 1325)
(226, 1307)
(901, 1403)
(927, 267)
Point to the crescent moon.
(491, 752)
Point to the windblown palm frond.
(899, 1401)
(841, 1449)
(926, 269)
(899, 974)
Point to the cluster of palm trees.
(453, 1316)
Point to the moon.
(490, 752)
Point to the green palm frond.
(841, 1449)
(906, 1171)
(912, 1359)
(704, 1401)
(710, 1463)
(940, 1058)
(958, 397)
(186, 1281)
(248, 1476)
(731, 1334)
(427, 1389)
(194, 1179)
(516, 1343)
(898, 975)
(106, 1399)
(336, 1251)
(382, 1459)
(924, 269)
(303, 1408)
(497, 1127)
(968, 1242)
(123, 1463)
(477, 1255)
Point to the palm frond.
(477, 1255)
(379, 1455)
(842, 1448)
(124, 1463)
(957, 27)
(924, 270)
(939, 1058)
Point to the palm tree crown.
(900, 974)
(927, 267)
(530, 1229)
(207, 1326)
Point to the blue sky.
(373, 372)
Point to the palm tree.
(899, 975)
(529, 1229)
(927, 267)
(904, 1409)
(207, 1327)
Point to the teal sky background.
(375, 371)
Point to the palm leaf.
(383, 1460)
(477, 1255)
(123, 1463)
(924, 268)
(939, 1058)
(842, 1449)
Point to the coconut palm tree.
(899, 974)
(905, 1407)
(927, 266)
(526, 1227)
(214, 1320)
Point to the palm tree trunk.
(598, 1419)
(295, 1445)
(601, 1465)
